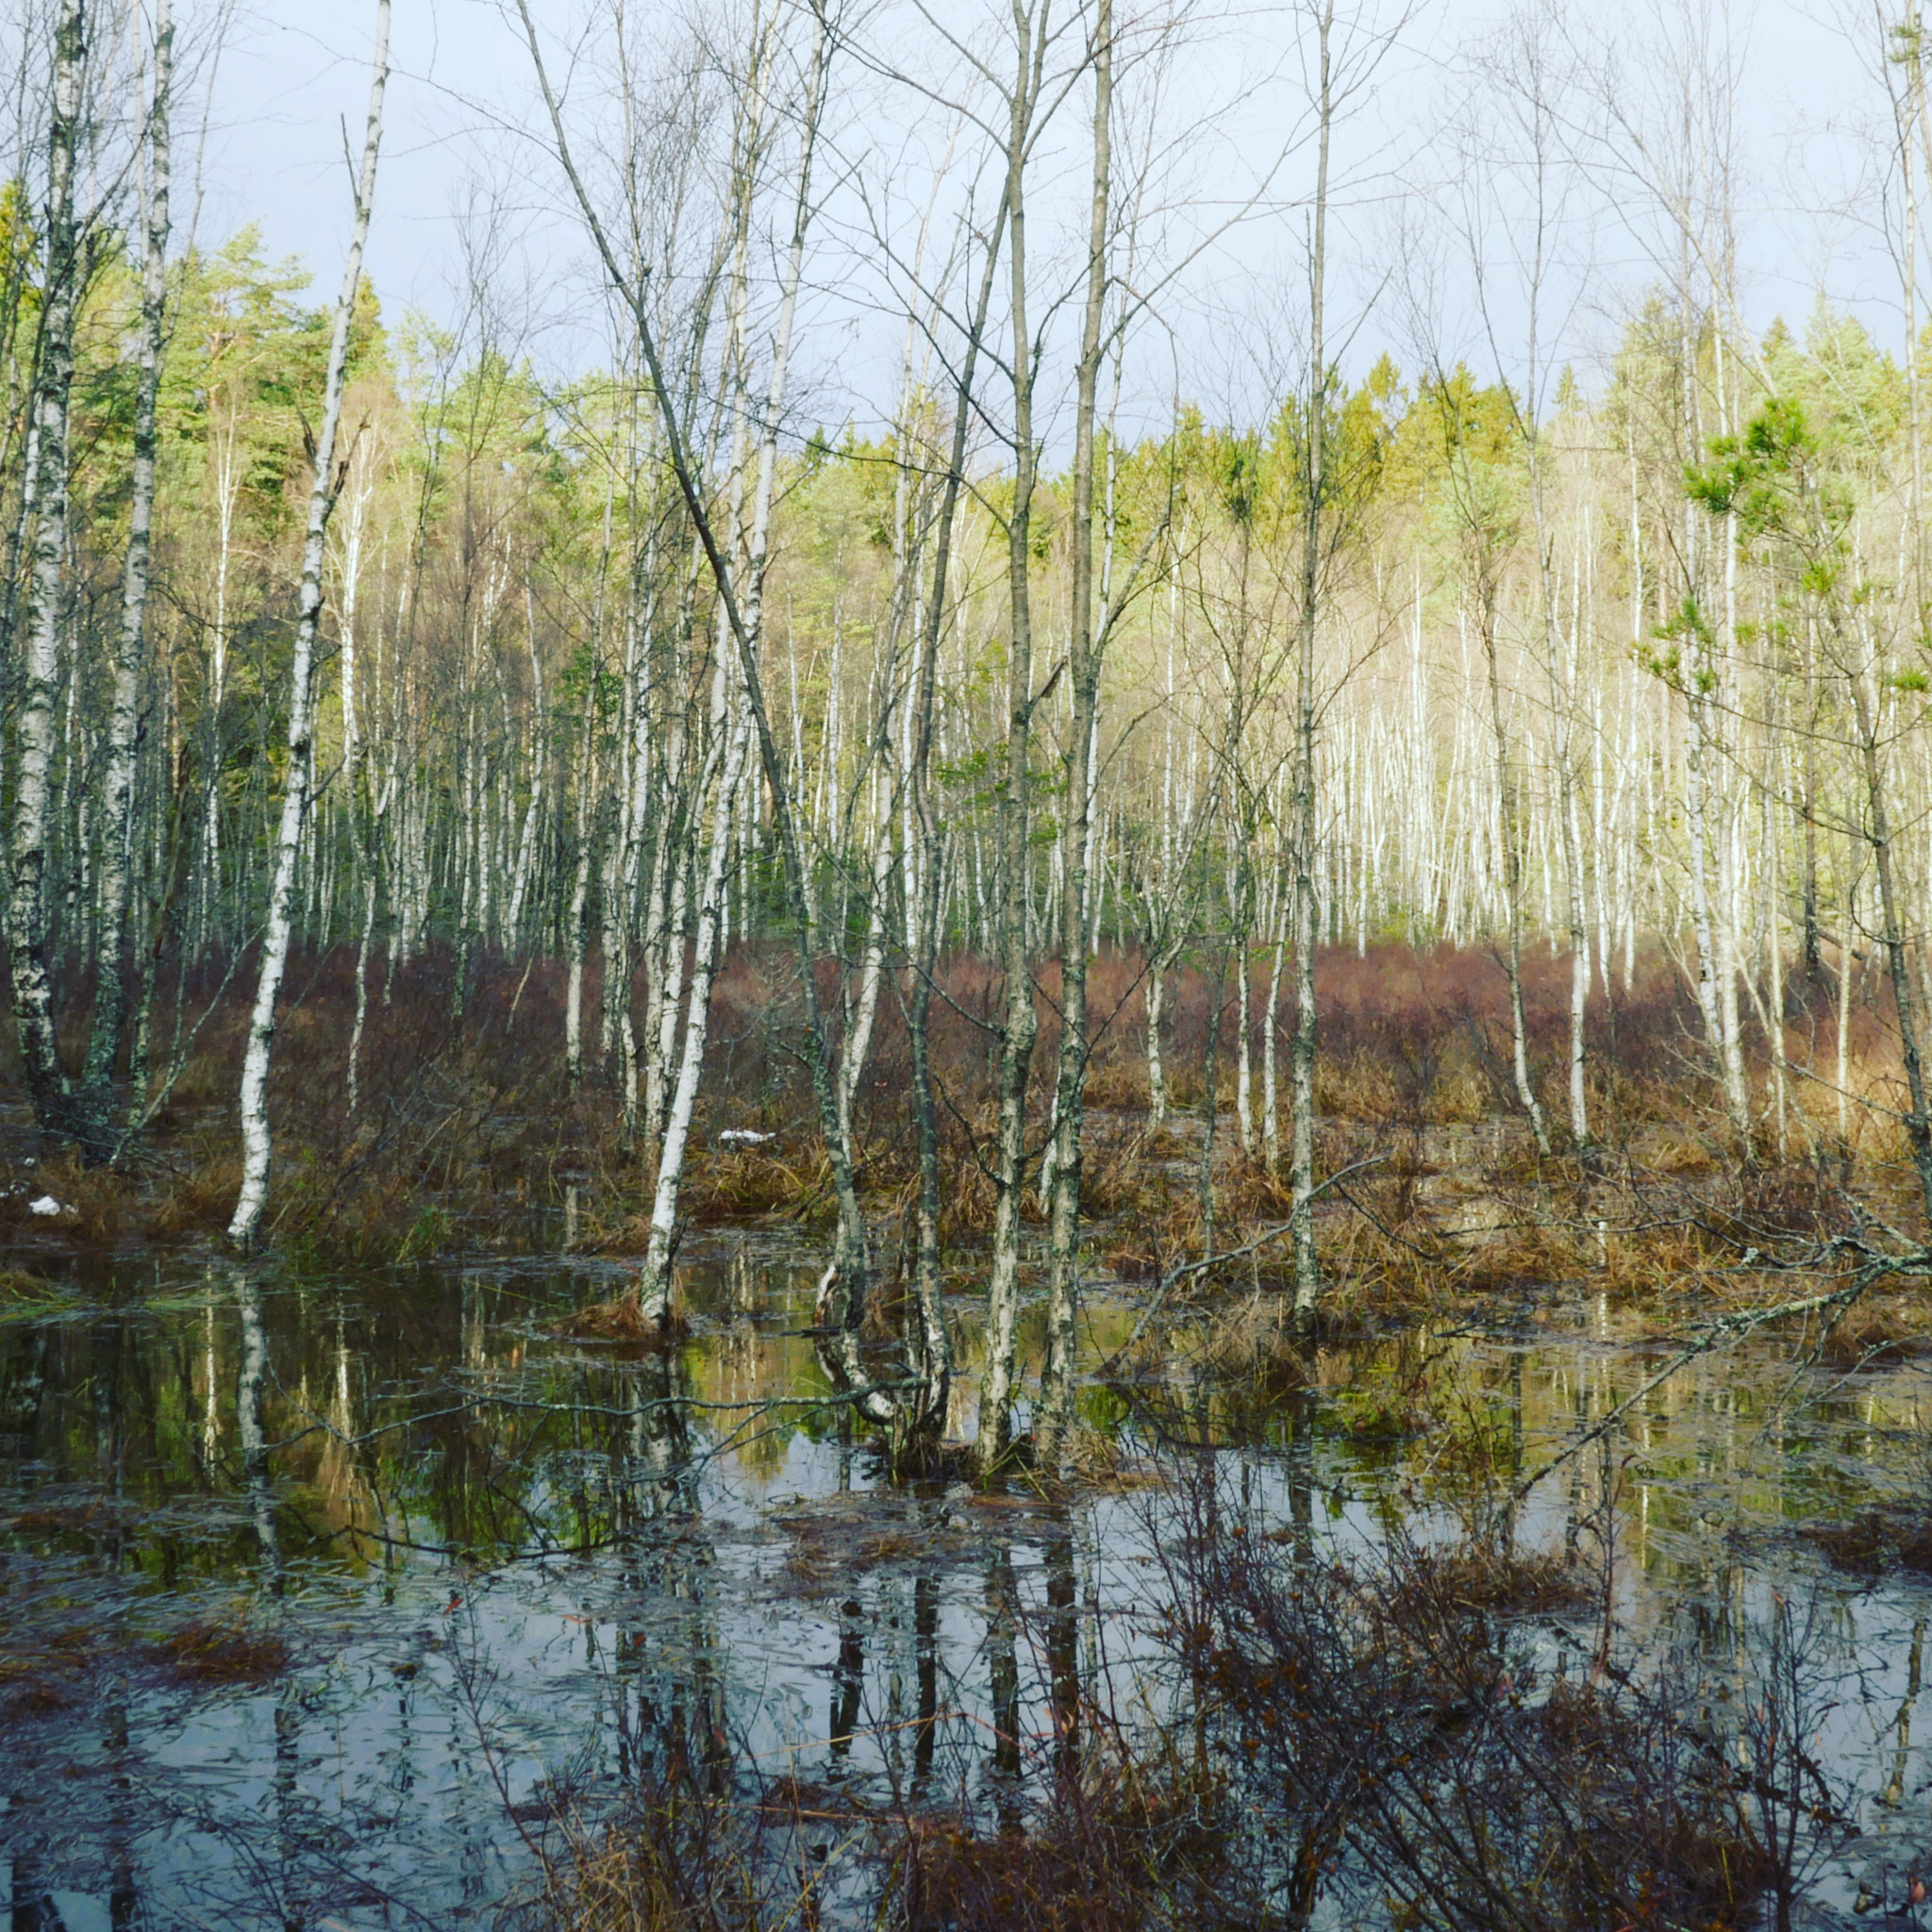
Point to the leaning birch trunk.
(1084, 653)
(275, 944)
(843, 1290)
(923, 1418)
(96, 1109)
(654, 1285)
(38, 676)
(671, 871)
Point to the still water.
(326, 1596)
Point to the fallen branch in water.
(1729, 1329)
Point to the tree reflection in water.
(392, 1474)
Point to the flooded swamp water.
(324, 1595)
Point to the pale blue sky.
(292, 73)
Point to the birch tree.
(95, 1107)
(1018, 1027)
(257, 1144)
(1317, 484)
(35, 724)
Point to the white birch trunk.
(653, 1287)
(256, 1146)
(123, 734)
(1271, 1099)
(38, 675)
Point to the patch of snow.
(743, 1136)
(45, 1204)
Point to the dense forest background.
(494, 776)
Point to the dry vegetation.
(59, 1652)
(1335, 1735)
(469, 1135)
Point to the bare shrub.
(1388, 1718)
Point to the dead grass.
(1489, 1578)
(44, 1669)
(48, 1664)
(221, 1652)
(1255, 1342)
(1896, 1536)
(25, 1293)
(728, 1184)
(1127, 1847)
(468, 1132)
(1118, 1085)
(621, 1319)
(1358, 1089)
(1873, 1334)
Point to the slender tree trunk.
(1243, 1051)
(934, 1360)
(123, 732)
(1708, 923)
(843, 1290)
(1508, 839)
(857, 1046)
(1084, 650)
(1157, 1073)
(533, 811)
(729, 728)
(1893, 937)
(664, 941)
(1019, 1024)
(38, 676)
(1315, 481)
(1808, 806)
(364, 946)
(1847, 967)
(635, 805)
(295, 799)
(576, 925)
(1562, 700)
(1271, 1073)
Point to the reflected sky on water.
(508, 1571)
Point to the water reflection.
(248, 1431)
(509, 1568)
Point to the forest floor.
(466, 1136)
